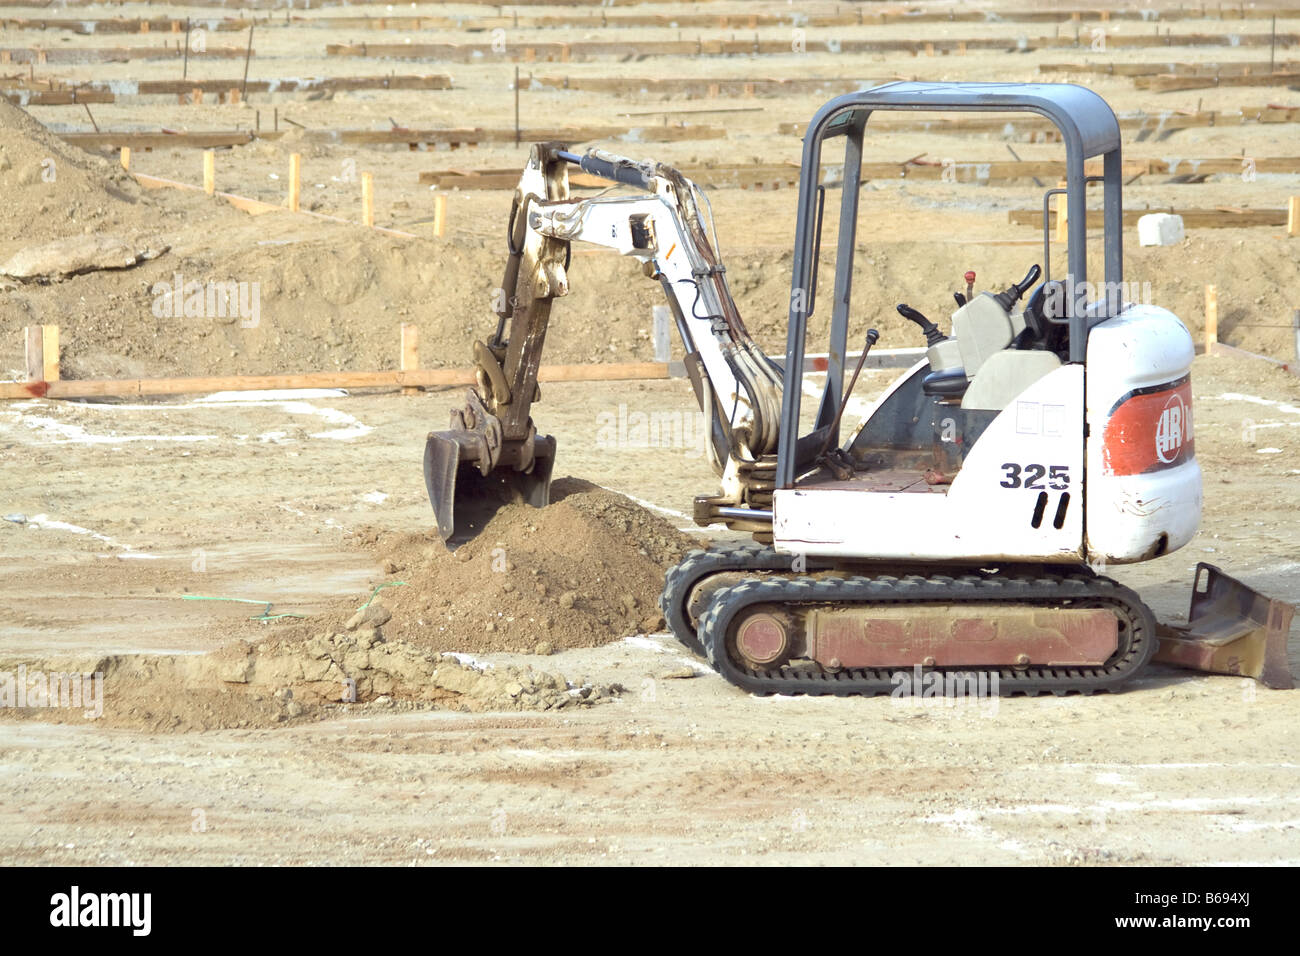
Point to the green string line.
(266, 614)
(390, 584)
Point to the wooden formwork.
(772, 175)
(53, 91)
(40, 55)
(555, 52)
(1141, 126)
(1172, 68)
(398, 136)
(605, 18)
(1218, 218)
(92, 26)
(1168, 84)
(692, 87)
(41, 344)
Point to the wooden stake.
(1293, 216)
(439, 215)
(295, 180)
(126, 158)
(410, 353)
(661, 323)
(35, 352)
(209, 171)
(243, 87)
(1211, 318)
(368, 202)
(50, 353)
(1062, 221)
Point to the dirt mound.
(279, 683)
(584, 571)
(54, 190)
(293, 140)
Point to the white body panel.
(987, 512)
(1144, 483)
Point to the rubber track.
(971, 587)
(683, 578)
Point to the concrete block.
(1160, 229)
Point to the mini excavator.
(959, 527)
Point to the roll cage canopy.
(1088, 128)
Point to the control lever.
(1012, 295)
(839, 468)
(932, 334)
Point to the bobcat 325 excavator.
(956, 529)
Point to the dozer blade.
(463, 498)
(1231, 629)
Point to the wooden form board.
(117, 54)
(1140, 126)
(555, 52)
(690, 86)
(1192, 218)
(1192, 11)
(847, 16)
(428, 378)
(1169, 84)
(505, 178)
(787, 174)
(1170, 68)
(115, 139)
(278, 5)
(92, 26)
(110, 90)
(27, 98)
(615, 19)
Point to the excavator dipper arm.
(491, 453)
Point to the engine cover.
(1144, 483)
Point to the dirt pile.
(582, 572)
(279, 683)
(53, 190)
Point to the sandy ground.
(1181, 768)
(131, 510)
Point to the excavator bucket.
(1231, 629)
(464, 499)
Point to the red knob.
(970, 276)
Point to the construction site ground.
(679, 767)
(127, 517)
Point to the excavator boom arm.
(492, 447)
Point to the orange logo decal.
(1149, 430)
